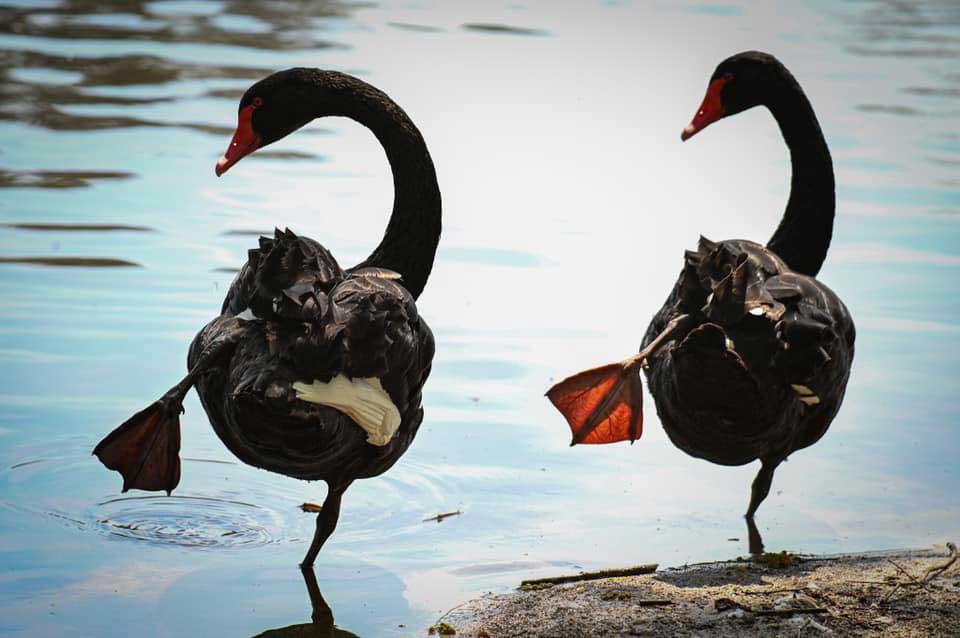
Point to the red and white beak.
(244, 142)
(709, 112)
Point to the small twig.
(652, 603)
(440, 517)
(898, 585)
(930, 574)
(890, 593)
(937, 570)
(606, 573)
(902, 570)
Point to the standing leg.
(326, 521)
(753, 538)
(761, 484)
(758, 492)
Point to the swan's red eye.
(726, 77)
(257, 101)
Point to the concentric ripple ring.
(187, 521)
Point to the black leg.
(761, 484)
(758, 492)
(754, 538)
(326, 522)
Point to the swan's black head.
(271, 109)
(740, 82)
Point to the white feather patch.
(247, 315)
(363, 400)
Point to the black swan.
(750, 355)
(310, 370)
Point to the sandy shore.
(891, 595)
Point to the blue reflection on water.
(568, 201)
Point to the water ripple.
(187, 521)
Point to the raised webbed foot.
(145, 449)
(602, 405)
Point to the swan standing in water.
(749, 356)
(310, 371)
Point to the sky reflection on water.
(568, 199)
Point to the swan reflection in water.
(322, 625)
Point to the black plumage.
(293, 316)
(755, 340)
(314, 321)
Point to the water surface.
(568, 200)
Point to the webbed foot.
(145, 449)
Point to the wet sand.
(893, 595)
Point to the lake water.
(568, 200)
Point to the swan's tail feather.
(363, 400)
(145, 449)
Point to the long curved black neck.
(804, 233)
(410, 242)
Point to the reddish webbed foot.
(602, 405)
(145, 449)
(605, 404)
